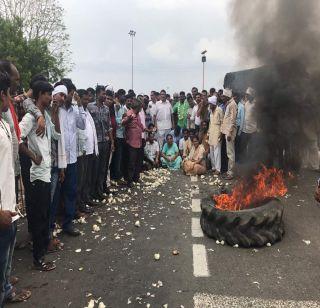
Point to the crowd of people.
(67, 145)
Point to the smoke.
(284, 37)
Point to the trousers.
(215, 156)
(231, 155)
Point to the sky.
(170, 35)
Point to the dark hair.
(4, 82)
(109, 93)
(91, 91)
(151, 134)
(198, 94)
(41, 87)
(212, 90)
(194, 88)
(156, 93)
(129, 96)
(59, 83)
(100, 88)
(82, 92)
(185, 130)
(183, 93)
(205, 91)
(195, 137)
(68, 83)
(136, 104)
(163, 91)
(35, 78)
(121, 92)
(5, 66)
(169, 135)
(150, 125)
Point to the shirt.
(194, 117)
(40, 146)
(133, 130)
(142, 116)
(163, 115)
(250, 123)
(119, 114)
(7, 179)
(73, 118)
(228, 126)
(240, 117)
(102, 120)
(153, 108)
(170, 151)
(182, 110)
(151, 149)
(214, 131)
(185, 146)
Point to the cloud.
(161, 4)
(164, 49)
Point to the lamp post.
(204, 60)
(132, 34)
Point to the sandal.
(44, 266)
(18, 297)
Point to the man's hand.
(6, 219)
(61, 176)
(113, 148)
(41, 129)
(37, 159)
(229, 138)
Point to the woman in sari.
(170, 156)
(195, 163)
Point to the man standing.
(133, 133)
(194, 116)
(229, 129)
(101, 117)
(152, 104)
(39, 151)
(181, 109)
(8, 227)
(71, 117)
(214, 132)
(87, 151)
(163, 118)
(250, 122)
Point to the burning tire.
(254, 227)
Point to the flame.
(268, 183)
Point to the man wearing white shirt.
(39, 151)
(194, 117)
(71, 117)
(163, 118)
(8, 227)
(152, 104)
(87, 150)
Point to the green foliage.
(31, 56)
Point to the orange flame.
(268, 183)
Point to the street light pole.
(204, 60)
(132, 34)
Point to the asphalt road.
(116, 265)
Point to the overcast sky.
(170, 34)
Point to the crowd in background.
(68, 146)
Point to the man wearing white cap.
(229, 129)
(250, 123)
(214, 132)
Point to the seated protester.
(39, 151)
(170, 157)
(203, 136)
(151, 152)
(195, 163)
(185, 143)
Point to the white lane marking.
(217, 301)
(200, 263)
(194, 178)
(195, 192)
(196, 230)
(195, 205)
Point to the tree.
(31, 56)
(41, 20)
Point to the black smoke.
(283, 36)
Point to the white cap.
(227, 92)
(212, 100)
(60, 89)
(250, 91)
(109, 87)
